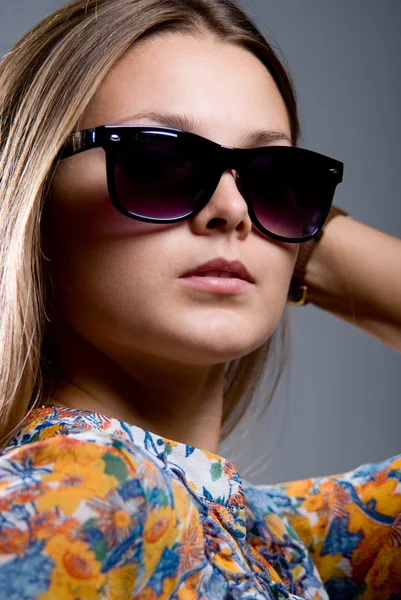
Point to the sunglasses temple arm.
(77, 142)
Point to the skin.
(354, 274)
(129, 339)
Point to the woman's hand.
(355, 273)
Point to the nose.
(226, 211)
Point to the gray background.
(339, 404)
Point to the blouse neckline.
(210, 476)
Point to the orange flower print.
(221, 514)
(394, 536)
(44, 525)
(14, 541)
(104, 423)
(384, 578)
(363, 556)
(237, 500)
(29, 493)
(229, 469)
(191, 549)
(5, 504)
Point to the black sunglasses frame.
(221, 158)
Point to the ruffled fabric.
(93, 507)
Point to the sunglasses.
(161, 175)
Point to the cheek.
(79, 211)
(279, 262)
(278, 258)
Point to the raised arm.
(355, 273)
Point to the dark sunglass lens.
(289, 193)
(154, 178)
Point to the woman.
(153, 210)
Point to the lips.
(220, 267)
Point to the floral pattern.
(95, 508)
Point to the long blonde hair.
(46, 82)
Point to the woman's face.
(118, 282)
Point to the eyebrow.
(253, 138)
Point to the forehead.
(224, 90)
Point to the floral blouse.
(95, 508)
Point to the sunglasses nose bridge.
(230, 159)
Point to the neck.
(183, 403)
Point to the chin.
(222, 349)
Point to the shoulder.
(92, 500)
(361, 483)
(350, 523)
(83, 461)
(89, 511)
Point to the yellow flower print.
(160, 532)
(171, 442)
(298, 489)
(211, 455)
(225, 561)
(302, 526)
(192, 486)
(121, 582)
(31, 425)
(276, 526)
(327, 565)
(159, 523)
(359, 521)
(329, 502)
(73, 483)
(382, 491)
(188, 590)
(76, 573)
(298, 572)
(62, 450)
(146, 594)
(181, 500)
(314, 503)
(49, 431)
